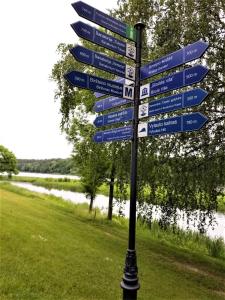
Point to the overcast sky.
(30, 33)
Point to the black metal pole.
(130, 283)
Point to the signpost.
(94, 15)
(114, 117)
(116, 134)
(124, 94)
(190, 122)
(94, 83)
(109, 103)
(105, 40)
(177, 58)
(103, 62)
(174, 81)
(171, 103)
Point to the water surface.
(45, 175)
(101, 202)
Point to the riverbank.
(63, 183)
(75, 185)
(52, 249)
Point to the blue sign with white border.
(100, 38)
(173, 81)
(116, 134)
(103, 62)
(172, 60)
(114, 117)
(172, 103)
(183, 123)
(95, 83)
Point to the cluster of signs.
(121, 90)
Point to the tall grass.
(190, 240)
(216, 248)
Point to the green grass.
(76, 186)
(52, 249)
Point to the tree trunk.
(91, 203)
(111, 192)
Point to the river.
(101, 202)
(43, 175)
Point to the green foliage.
(221, 203)
(91, 160)
(51, 166)
(8, 161)
(184, 170)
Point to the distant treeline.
(57, 166)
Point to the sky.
(29, 114)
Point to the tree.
(91, 160)
(8, 162)
(76, 106)
(185, 170)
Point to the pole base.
(130, 283)
(129, 295)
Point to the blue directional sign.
(105, 40)
(100, 84)
(103, 62)
(177, 58)
(116, 134)
(94, 15)
(114, 117)
(189, 122)
(119, 79)
(110, 102)
(172, 103)
(173, 81)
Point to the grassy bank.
(76, 186)
(51, 249)
(73, 185)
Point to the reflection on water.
(44, 175)
(101, 202)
